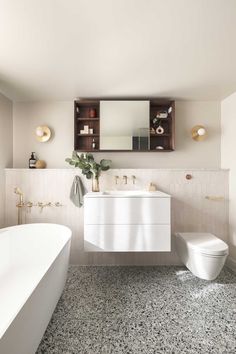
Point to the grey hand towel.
(77, 192)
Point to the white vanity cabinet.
(135, 221)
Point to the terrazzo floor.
(132, 310)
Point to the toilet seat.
(204, 243)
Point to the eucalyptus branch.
(90, 168)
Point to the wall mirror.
(124, 125)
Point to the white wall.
(59, 116)
(228, 160)
(6, 126)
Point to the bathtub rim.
(29, 294)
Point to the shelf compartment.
(167, 138)
(83, 142)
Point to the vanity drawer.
(128, 211)
(127, 238)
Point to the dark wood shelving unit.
(83, 142)
(166, 140)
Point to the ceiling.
(62, 49)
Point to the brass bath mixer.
(28, 205)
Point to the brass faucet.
(133, 179)
(29, 205)
(125, 179)
(116, 179)
(20, 205)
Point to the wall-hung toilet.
(204, 254)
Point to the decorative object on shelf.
(43, 133)
(160, 130)
(156, 121)
(93, 144)
(32, 160)
(199, 133)
(92, 113)
(40, 164)
(86, 129)
(152, 131)
(90, 168)
(90, 130)
(159, 147)
(162, 114)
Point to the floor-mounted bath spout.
(20, 205)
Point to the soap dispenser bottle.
(152, 187)
(32, 160)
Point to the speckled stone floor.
(132, 310)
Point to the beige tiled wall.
(191, 211)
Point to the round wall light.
(199, 133)
(43, 133)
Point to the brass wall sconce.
(199, 133)
(43, 133)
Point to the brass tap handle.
(29, 206)
(116, 179)
(125, 178)
(58, 204)
(133, 179)
(41, 206)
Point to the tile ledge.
(118, 169)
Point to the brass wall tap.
(125, 178)
(116, 179)
(21, 205)
(133, 179)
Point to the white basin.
(128, 194)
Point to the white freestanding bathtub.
(34, 261)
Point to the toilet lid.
(205, 243)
